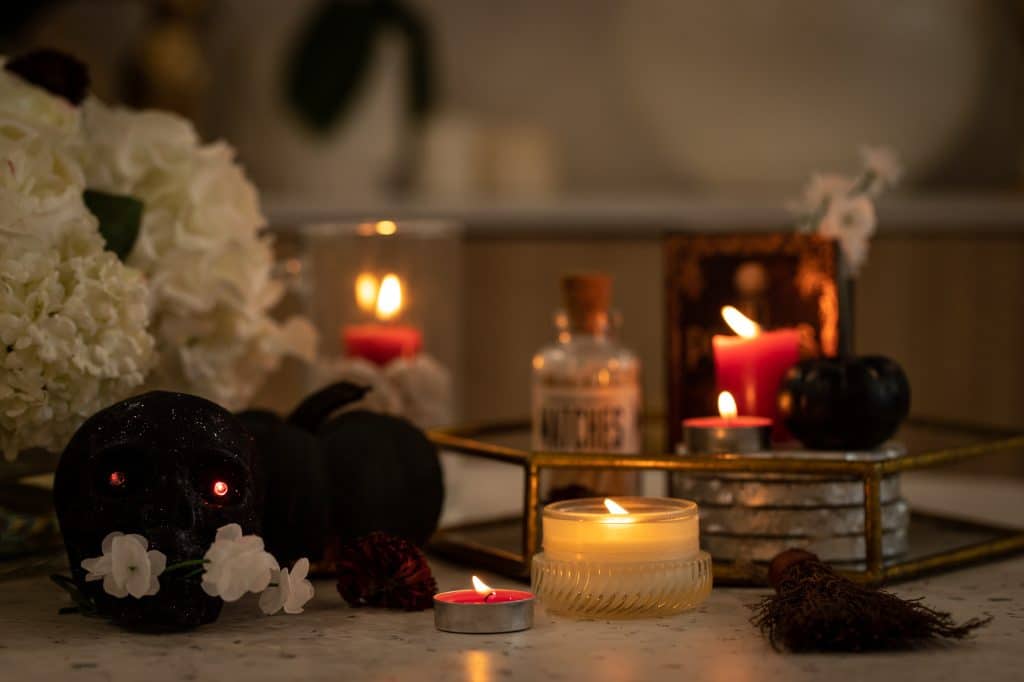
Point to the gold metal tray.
(506, 545)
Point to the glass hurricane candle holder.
(631, 557)
(386, 297)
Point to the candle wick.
(488, 596)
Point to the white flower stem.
(844, 285)
(186, 564)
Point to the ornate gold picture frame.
(781, 279)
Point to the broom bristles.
(816, 609)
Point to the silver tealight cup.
(483, 610)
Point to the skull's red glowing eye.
(220, 488)
(117, 479)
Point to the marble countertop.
(334, 642)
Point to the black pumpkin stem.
(816, 609)
(56, 72)
(315, 409)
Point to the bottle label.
(586, 419)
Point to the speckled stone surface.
(333, 642)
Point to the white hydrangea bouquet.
(132, 257)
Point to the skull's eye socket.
(120, 472)
(221, 483)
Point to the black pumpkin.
(844, 403)
(385, 476)
(343, 477)
(296, 495)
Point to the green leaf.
(334, 52)
(329, 66)
(120, 218)
(419, 75)
(84, 603)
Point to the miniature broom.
(816, 609)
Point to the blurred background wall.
(551, 103)
(579, 96)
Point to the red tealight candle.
(727, 433)
(483, 610)
(752, 364)
(379, 342)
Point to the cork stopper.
(587, 297)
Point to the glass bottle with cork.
(586, 392)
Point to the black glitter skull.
(170, 467)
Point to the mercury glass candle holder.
(631, 557)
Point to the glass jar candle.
(623, 557)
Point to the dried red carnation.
(385, 571)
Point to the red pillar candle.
(380, 342)
(751, 365)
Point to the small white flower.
(884, 165)
(850, 221)
(236, 564)
(292, 591)
(126, 568)
(821, 188)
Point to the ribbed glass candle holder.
(630, 557)
(586, 589)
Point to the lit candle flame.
(386, 227)
(740, 323)
(482, 588)
(727, 405)
(389, 297)
(614, 507)
(366, 292)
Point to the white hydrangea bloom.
(202, 250)
(73, 318)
